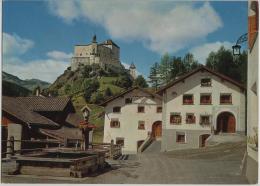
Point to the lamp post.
(236, 48)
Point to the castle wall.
(95, 54)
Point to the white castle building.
(103, 53)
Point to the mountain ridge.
(30, 84)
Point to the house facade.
(252, 93)
(131, 117)
(199, 104)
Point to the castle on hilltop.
(103, 53)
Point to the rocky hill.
(29, 84)
(93, 83)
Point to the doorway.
(226, 123)
(157, 129)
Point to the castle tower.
(132, 70)
(94, 50)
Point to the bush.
(97, 98)
(90, 86)
(108, 92)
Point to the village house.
(131, 117)
(193, 107)
(199, 104)
(37, 117)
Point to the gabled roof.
(201, 68)
(127, 91)
(22, 112)
(38, 103)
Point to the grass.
(106, 82)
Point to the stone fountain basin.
(60, 163)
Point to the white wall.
(252, 98)
(192, 85)
(129, 118)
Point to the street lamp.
(236, 48)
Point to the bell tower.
(132, 70)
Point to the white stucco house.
(182, 114)
(130, 117)
(252, 93)
(198, 104)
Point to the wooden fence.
(112, 150)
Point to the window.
(225, 99)
(175, 118)
(188, 99)
(205, 120)
(120, 141)
(180, 137)
(116, 109)
(205, 99)
(159, 109)
(190, 118)
(205, 82)
(114, 123)
(140, 109)
(128, 100)
(141, 125)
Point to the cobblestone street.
(212, 165)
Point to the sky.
(39, 36)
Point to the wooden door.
(231, 124)
(157, 129)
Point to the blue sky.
(39, 36)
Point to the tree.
(140, 82)
(224, 62)
(164, 68)
(154, 76)
(171, 67)
(90, 86)
(97, 98)
(124, 81)
(108, 92)
(67, 88)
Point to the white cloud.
(67, 9)
(162, 27)
(201, 52)
(58, 55)
(14, 45)
(45, 69)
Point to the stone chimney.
(38, 91)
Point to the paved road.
(216, 165)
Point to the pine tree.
(154, 77)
